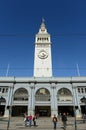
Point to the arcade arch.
(21, 94)
(42, 94)
(2, 105)
(64, 94)
(42, 99)
(20, 102)
(65, 101)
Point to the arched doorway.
(65, 101)
(2, 105)
(42, 99)
(83, 105)
(20, 102)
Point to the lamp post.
(75, 123)
(10, 107)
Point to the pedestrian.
(64, 120)
(84, 118)
(27, 122)
(25, 119)
(55, 121)
(34, 120)
(30, 120)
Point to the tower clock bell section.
(42, 56)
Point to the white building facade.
(42, 94)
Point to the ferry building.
(42, 94)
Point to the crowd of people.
(30, 119)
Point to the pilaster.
(31, 103)
(77, 110)
(53, 100)
(9, 102)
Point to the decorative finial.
(43, 20)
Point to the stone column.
(31, 103)
(53, 100)
(9, 101)
(76, 102)
(78, 111)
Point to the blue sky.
(20, 21)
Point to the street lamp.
(10, 106)
(75, 123)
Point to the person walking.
(34, 120)
(55, 121)
(84, 118)
(64, 120)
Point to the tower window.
(37, 39)
(42, 29)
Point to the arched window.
(42, 95)
(21, 94)
(64, 95)
(78, 90)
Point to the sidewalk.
(17, 123)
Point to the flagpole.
(7, 70)
(78, 72)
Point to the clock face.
(42, 54)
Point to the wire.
(28, 35)
(17, 68)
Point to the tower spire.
(43, 28)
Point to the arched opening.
(65, 101)
(42, 95)
(42, 99)
(20, 103)
(83, 105)
(2, 105)
(64, 95)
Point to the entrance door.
(2, 110)
(83, 109)
(43, 110)
(19, 110)
(66, 109)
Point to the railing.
(42, 98)
(20, 102)
(64, 98)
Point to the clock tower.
(42, 57)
